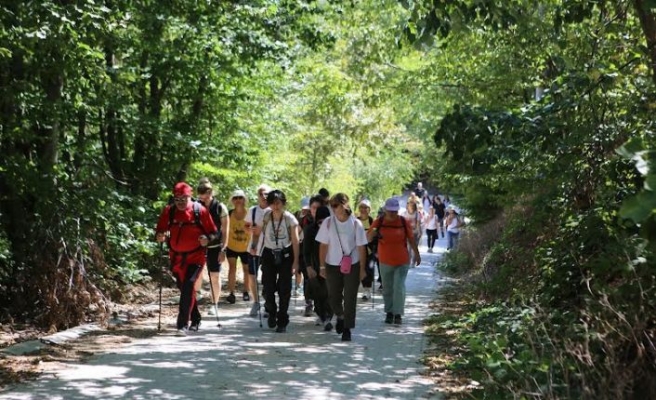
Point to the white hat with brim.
(238, 193)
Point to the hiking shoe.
(365, 297)
(328, 326)
(339, 327)
(181, 332)
(194, 326)
(246, 296)
(346, 335)
(308, 310)
(397, 319)
(271, 320)
(318, 322)
(389, 318)
(430, 250)
(281, 329)
(297, 291)
(211, 312)
(231, 298)
(254, 309)
(380, 288)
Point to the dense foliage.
(550, 142)
(105, 104)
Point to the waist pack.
(280, 255)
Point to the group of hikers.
(328, 247)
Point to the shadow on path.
(243, 361)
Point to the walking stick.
(253, 261)
(216, 308)
(159, 322)
(373, 280)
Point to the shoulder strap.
(253, 215)
(371, 220)
(230, 212)
(171, 215)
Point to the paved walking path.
(242, 361)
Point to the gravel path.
(243, 361)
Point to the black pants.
(277, 278)
(432, 237)
(369, 269)
(317, 290)
(188, 308)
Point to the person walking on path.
(189, 229)
(216, 249)
(364, 215)
(440, 211)
(431, 223)
(279, 250)
(394, 235)
(237, 248)
(316, 288)
(413, 217)
(253, 224)
(342, 255)
(453, 223)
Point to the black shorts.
(213, 264)
(243, 255)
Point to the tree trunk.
(648, 23)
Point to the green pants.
(343, 292)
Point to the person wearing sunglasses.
(238, 238)
(189, 228)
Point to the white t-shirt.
(415, 221)
(259, 216)
(351, 233)
(276, 231)
(431, 223)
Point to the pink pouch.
(345, 265)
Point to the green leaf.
(639, 208)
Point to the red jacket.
(185, 233)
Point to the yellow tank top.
(238, 237)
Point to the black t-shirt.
(420, 192)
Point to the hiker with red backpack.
(189, 228)
(394, 234)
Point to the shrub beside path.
(241, 360)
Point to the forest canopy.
(537, 116)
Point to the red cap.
(181, 189)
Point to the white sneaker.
(181, 332)
(254, 309)
(212, 311)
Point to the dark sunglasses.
(180, 199)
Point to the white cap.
(238, 193)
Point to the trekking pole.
(159, 322)
(257, 288)
(372, 263)
(214, 299)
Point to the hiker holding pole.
(189, 228)
(279, 252)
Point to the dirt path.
(241, 360)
